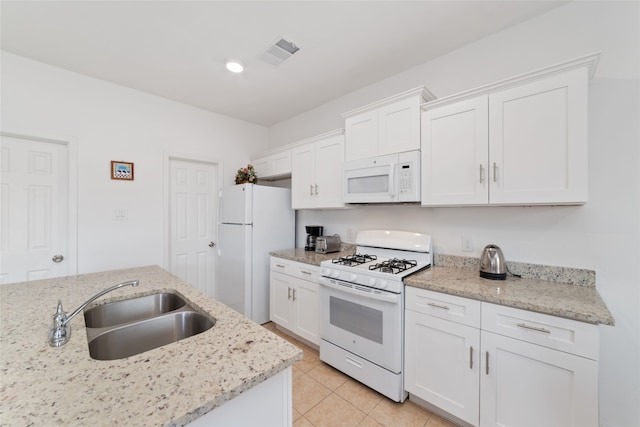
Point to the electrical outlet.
(467, 244)
(120, 215)
(350, 236)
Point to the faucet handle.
(59, 331)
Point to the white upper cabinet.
(455, 146)
(275, 164)
(538, 134)
(316, 172)
(385, 127)
(522, 141)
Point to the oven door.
(364, 321)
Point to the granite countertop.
(310, 257)
(578, 300)
(170, 385)
(570, 301)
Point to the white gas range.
(362, 298)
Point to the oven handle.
(386, 297)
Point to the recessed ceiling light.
(235, 66)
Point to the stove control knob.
(335, 274)
(381, 283)
(326, 271)
(352, 277)
(372, 281)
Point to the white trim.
(72, 189)
(590, 61)
(420, 90)
(166, 207)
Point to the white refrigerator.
(254, 220)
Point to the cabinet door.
(306, 300)
(524, 384)
(455, 146)
(281, 292)
(303, 176)
(329, 160)
(399, 126)
(442, 364)
(538, 141)
(361, 135)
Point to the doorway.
(192, 220)
(37, 208)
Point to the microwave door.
(370, 185)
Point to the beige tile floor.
(323, 396)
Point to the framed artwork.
(121, 170)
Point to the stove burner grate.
(394, 265)
(355, 259)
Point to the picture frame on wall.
(121, 170)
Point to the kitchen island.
(170, 385)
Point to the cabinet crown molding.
(420, 90)
(589, 61)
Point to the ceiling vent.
(279, 52)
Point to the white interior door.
(34, 209)
(192, 212)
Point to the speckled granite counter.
(309, 257)
(558, 299)
(170, 385)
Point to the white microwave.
(394, 178)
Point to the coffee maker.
(313, 231)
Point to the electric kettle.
(492, 264)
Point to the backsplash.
(573, 276)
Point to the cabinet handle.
(311, 190)
(495, 172)
(481, 174)
(486, 363)
(289, 293)
(294, 295)
(471, 357)
(305, 272)
(533, 328)
(316, 189)
(280, 265)
(433, 304)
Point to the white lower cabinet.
(490, 365)
(442, 350)
(295, 298)
(442, 364)
(524, 384)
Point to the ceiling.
(177, 49)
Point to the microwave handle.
(392, 184)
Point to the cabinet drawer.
(306, 271)
(562, 334)
(450, 307)
(295, 269)
(281, 265)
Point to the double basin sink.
(125, 328)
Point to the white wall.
(602, 235)
(111, 122)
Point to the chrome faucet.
(60, 330)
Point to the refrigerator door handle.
(218, 220)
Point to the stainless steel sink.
(125, 328)
(137, 337)
(131, 310)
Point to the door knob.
(57, 258)
(211, 244)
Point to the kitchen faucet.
(60, 330)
